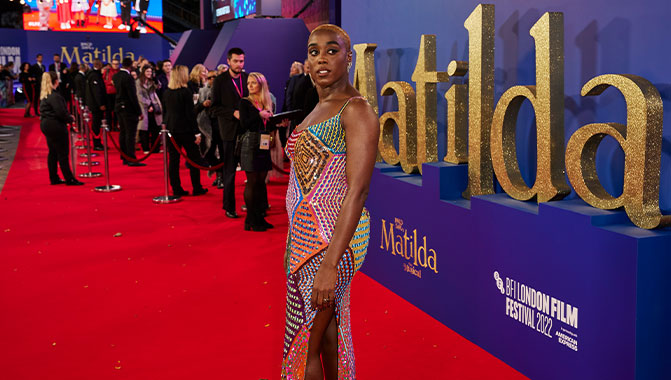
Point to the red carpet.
(181, 293)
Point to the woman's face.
(327, 58)
(253, 86)
(148, 73)
(203, 74)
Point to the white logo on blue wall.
(499, 282)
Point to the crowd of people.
(221, 118)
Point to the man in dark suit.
(80, 82)
(305, 95)
(227, 90)
(36, 72)
(127, 108)
(61, 70)
(96, 99)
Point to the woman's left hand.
(323, 289)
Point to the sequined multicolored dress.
(317, 188)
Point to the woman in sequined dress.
(332, 157)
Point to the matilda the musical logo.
(412, 247)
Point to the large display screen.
(92, 15)
(224, 10)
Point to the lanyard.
(239, 89)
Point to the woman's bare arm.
(362, 131)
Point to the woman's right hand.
(265, 114)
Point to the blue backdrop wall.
(557, 290)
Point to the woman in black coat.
(54, 117)
(180, 119)
(255, 160)
(28, 82)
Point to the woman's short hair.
(178, 77)
(48, 79)
(337, 30)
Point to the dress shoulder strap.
(347, 102)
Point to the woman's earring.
(349, 66)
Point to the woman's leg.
(63, 154)
(192, 151)
(52, 158)
(173, 167)
(248, 195)
(153, 132)
(144, 140)
(319, 344)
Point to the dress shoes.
(129, 163)
(231, 215)
(243, 208)
(99, 148)
(58, 182)
(267, 225)
(73, 182)
(180, 192)
(200, 191)
(251, 227)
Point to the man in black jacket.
(227, 90)
(80, 82)
(61, 70)
(36, 72)
(96, 99)
(127, 108)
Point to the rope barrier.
(131, 159)
(195, 165)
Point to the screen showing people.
(224, 10)
(93, 15)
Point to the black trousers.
(58, 142)
(186, 141)
(216, 144)
(148, 137)
(109, 112)
(125, 14)
(256, 197)
(128, 126)
(96, 122)
(230, 166)
(36, 98)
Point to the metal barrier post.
(107, 188)
(73, 150)
(165, 198)
(79, 107)
(90, 174)
(88, 154)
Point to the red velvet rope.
(131, 159)
(195, 165)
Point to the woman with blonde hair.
(180, 119)
(54, 117)
(197, 78)
(255, 110)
